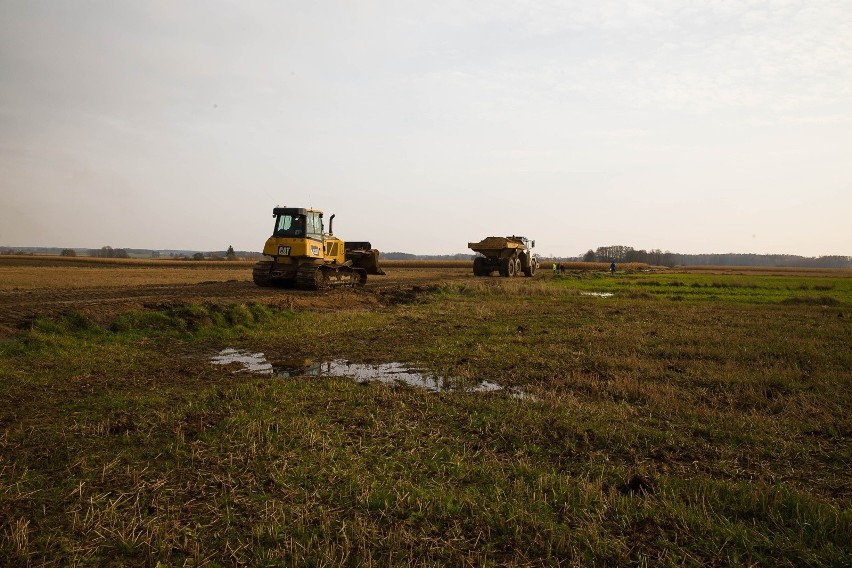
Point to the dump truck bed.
(497, 243)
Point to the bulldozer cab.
(297, 223)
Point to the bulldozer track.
(309, 277)
(325, 277)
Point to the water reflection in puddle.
(387, 373)
(254, 363)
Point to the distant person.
(612, 268)
(554, 268)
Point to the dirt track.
(48, 291)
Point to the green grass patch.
(758, 289)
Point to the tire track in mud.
(18, 308)
(22, 306)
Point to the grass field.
(652, 419)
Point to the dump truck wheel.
(507, 267)
(517, 267)
(479, 267)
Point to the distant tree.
(636, 256)
(109, 252)
(589, 256)
(68, 252)
(398, 256)
(615, 253)
(198, 256)
(231, 255)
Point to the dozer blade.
(364, 258)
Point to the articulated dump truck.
(510, 256)
(300, 254)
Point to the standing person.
(554, 268)
(612, 268)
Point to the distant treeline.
(616, 253)
(110, 252)
(620, 253)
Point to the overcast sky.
(695, 127)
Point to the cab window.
(290, 226)
(314, 228)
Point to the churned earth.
(34, 287)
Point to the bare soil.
(43, 288)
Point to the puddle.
(386, 373)
(254, 363)
(598, 294)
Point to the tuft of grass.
(194, 318)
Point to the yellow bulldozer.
(300, 254)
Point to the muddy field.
(33, 287)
